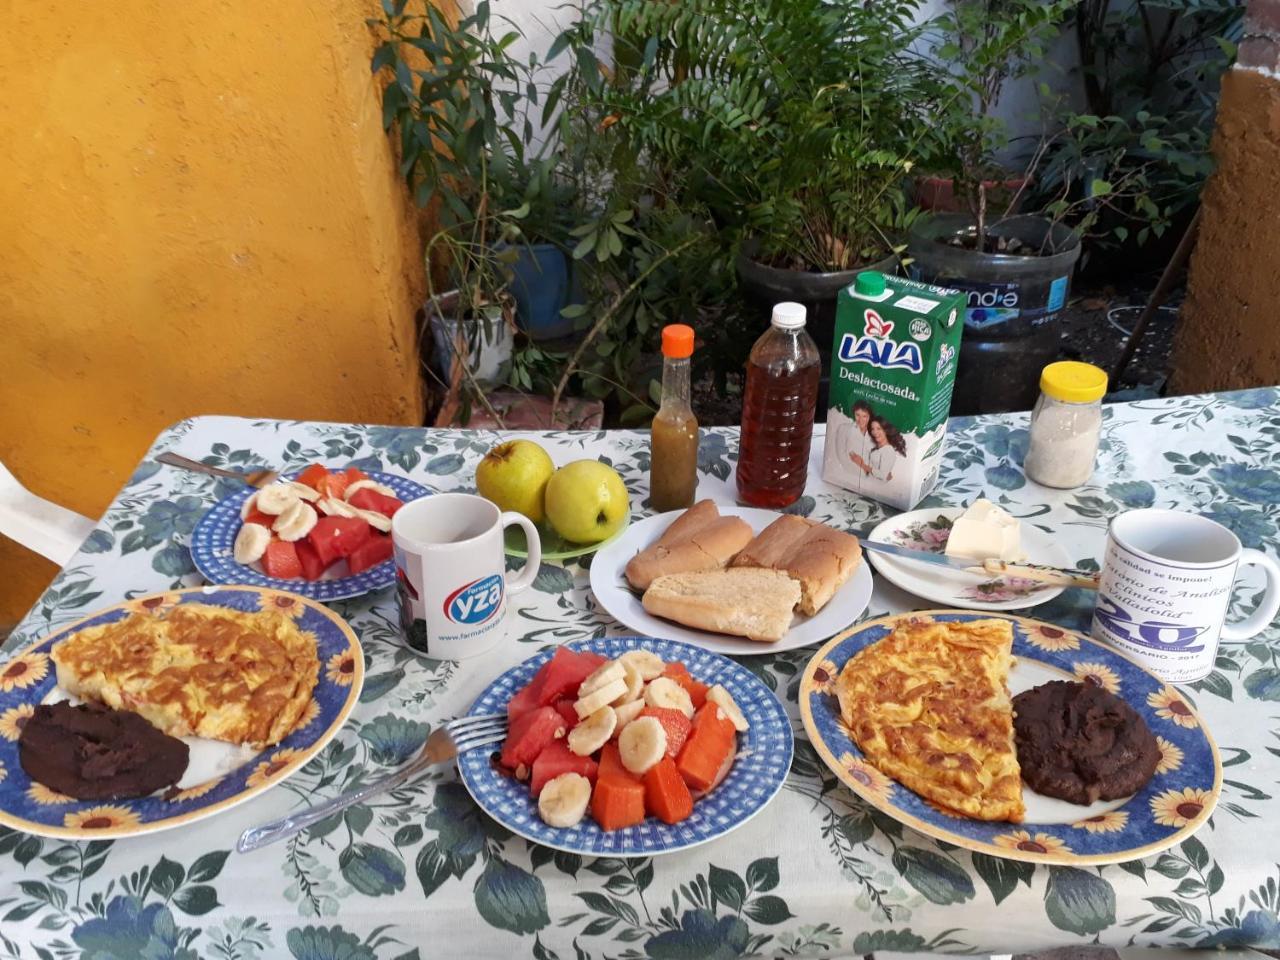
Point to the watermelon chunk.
(366, 499)
(556, 759)
(530, 735)
(676, 725)
(558, 678)
(565, 709)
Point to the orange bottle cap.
(677, 341)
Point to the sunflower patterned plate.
(214, 538)
(764, 758)
(219, 775)
(1179, 798)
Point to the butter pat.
(985, 532)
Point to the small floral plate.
(928, 530)
(219, 775)
(554, 546)
(1171, 807)
(214, 538)
(764, 759)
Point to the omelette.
(929, 706)
(204, 671)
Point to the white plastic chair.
(41, 525)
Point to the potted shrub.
(795, 124)
(461, 105)
(1016, 270)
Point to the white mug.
(1166, 585)
(451, 580)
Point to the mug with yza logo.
(1165, 589)
(451, 580)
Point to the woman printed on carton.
(888, 445)
(855, 444)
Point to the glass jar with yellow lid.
(1066, 424)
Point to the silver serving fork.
(444, 744)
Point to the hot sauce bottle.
(673, 449)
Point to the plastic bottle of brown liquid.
(777, 411)
(673, 447)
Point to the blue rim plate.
(764, 758)
(28, 806)
(1172, 806)
(215, 535)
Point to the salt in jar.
(1066, 424)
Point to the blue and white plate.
(764, 758)
(215, 536)
(219, 775)
(1172, 806)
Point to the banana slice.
(333, 507)
(303, 491)
(246, 508)
(649, 665)
(373, 485)
(277, 498)
(375, 520)
(603, 674)
(563, 800)
(251, 543)
(296, 522)
(600, 697)
(626, 713)
(665, 692)
(723, 699)
(642, 744)
(594, 732)
(635, 684)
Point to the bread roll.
(700, 539)
(741, 601)
(774, 543)
(818, 556)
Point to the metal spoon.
(255, 478)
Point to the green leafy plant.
(1138, 155)
(789, 122)
(984, 44)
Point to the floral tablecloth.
(423, 873)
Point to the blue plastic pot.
(541, 286)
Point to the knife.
(994, 568)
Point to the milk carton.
(893, 365)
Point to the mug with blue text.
(451, 579)
(1166, 587)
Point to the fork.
(255, 478)
(444, 744)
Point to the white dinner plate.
(927, 530)
(615, 595)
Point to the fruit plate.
(214, 537)
(764, 758)
(623, 604)
(554, 546)
(927, 531)
(218, 775)
(1172, 806)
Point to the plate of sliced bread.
(736, 580)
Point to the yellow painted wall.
(199, 213)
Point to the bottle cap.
(677, 341)
(788, 316)
(1073, 382)
(869, 283)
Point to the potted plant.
(1016, 270)
(459, 101)
(794, 124)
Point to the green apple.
(587, 501)
(514, 476)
